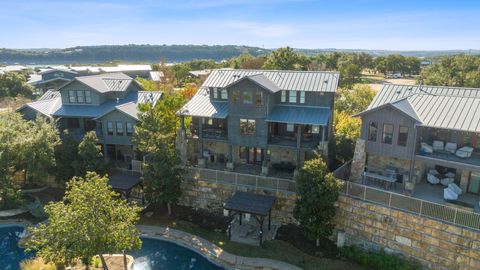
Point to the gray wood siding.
(260, 139)
(96, 98)
(116, 116)
(58, 74)
(311, 99)
(396, 118)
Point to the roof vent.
(326, 81)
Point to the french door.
(255, 155)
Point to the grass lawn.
(276, 249)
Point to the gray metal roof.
(49, 94)
(106, 82)
(201, 105)
(433, 106)
(318, 81)
(247, 202)
(299, 115)
(156, 76)
(259, 79)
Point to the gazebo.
(258, 206)
(125, 183)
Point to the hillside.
(425, 54)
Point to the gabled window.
(80, 98)
(387, 136)
(119, 128)
(259, 98)
(72, 98)
(110, 128)
(247, 97)
(224, 94)
(88, 97)
(302, 97)
(402, 136)
(292, 97)
(247, 126)
(284, 96)
(372, 131)
(129, 129)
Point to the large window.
(224, 94)
(247, 126)
(292, 98)
(387, 136)
(73, 123)
(247, 97)
(119, 128)
(372, 131)
(71, 96)
(88, 97)
(80, 98)
(302, 97)
(259, 98)
(129, 129)
(110, 128)
(402, 136)
(236, 95)
(284, 96)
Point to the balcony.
(450, 155)
(79, 133)
(307, 140)
(214, 133)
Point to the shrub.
(36, 264)
(377, 259)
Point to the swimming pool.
(154, 255)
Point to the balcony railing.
(214, 133)
(291, 140)
(450, 156)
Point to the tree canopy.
(90, 154)
(90, 220)
(458, 70)
(13, 84)
(282, 59)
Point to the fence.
(420, 207)
(241, 179)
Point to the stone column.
(464, 176)
(201, 159)
(358, 161)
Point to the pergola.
(259, 206)
(125, 183)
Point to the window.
(236, 95)
(290, 127)
(259, 98)
(284, 96)
(129, 129)
(302, 97)
(402, 136)
(71, 96)
(247, 97)
(119, 128)
(224, 94)
(372, 131)
(215, 93)
(315, 129)
(80, 98)
(110, 128)
(88, 97)
(247, 126)
(292, 97)
(387, 133)
(73, 123)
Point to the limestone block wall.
(434, 244)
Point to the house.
(258, 121)
(104, 103)
(424, 137)
(51, 78)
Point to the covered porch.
(77, 127)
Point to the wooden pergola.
(125, 183)
(259, 206)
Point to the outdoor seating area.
(449, 148)
(387, 178)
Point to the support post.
(240, 214)
(299, 140)
(269, 219)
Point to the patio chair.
(446, 181)
(455, 188)
(450, 175)
(464, 152)
(426, 148)
(432, 179)
(438, 146)
(451, 147)
(449, 194)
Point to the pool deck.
(212, 251)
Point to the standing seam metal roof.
(201, 105)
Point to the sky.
(341, 24)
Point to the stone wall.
(434, 244)
(211, 196)
(358, 161)
(404, 165)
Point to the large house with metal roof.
(424, 137)
(261, 121)
(104, 103)
(51, 78)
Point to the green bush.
(377, 259)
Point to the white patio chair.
(426, 148)
(432, 179)
(450, 175)
(451, 147)
(464, 152)
(433, 171)
(446, 181)
(438, 146)
(450, 195)
(455, 188)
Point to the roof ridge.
(277, 70)
(431, 86)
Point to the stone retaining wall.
(211, 196)
(434, 244)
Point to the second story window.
(247, 126)
(110, 128)
(215, 93)
(129, 129)
(372, 131)
(387, 136)
(224, 94)
(119, 128)
(80, 98)
(290, 127)
(247, 97)
(402, 136)
(236, 95)
(315, 129)
(71, 96)
(88, 97)
(302, 97)
(284, 96)
(292, 98)
(259, 98)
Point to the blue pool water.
(154, 254)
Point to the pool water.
(154, 254)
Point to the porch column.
(265, 163)
(201, 160)
(182, 122)
(323, 137)
(299, 140)
(229, 164)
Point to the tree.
(90, 220)
(90, 153)
(354, 100)
(347, 130)
(155, 137)
(282, 59)
(317, 191)
(67, 158)
(14, 84)
(458, 70)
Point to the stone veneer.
(358, 161)
(434, 244)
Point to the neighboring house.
(422, 134)
(269, 120)
(133, 71)
(105, 103)
(51, 78)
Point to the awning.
(299, 115)
(252, 203)
(201, 106)
(125, 182)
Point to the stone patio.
(249, 232)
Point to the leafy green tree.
(90, 153)
(354, 100)
(155, 137)
(91, 220)
(317, 191)
(349, 73)
(14, 84)
(282, 59)
(458, 70)
(347, 130)
(67, 158)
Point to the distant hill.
(128, 53)
(169, 53)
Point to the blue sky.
(352, 24)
